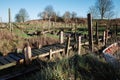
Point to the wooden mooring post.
(9, 17)
(67, 46)
(79, 45)
(104, 38)
(96, 34)
(61, 37)
(27, 53)
(0, 19)
(90, 32)
(116, 32)
(50, 54)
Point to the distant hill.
(104, 22)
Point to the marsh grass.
(88, 67)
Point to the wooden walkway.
(14, 58)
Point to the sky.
(33, 7)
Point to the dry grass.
(7, 41)
(6, 34)
(11, 41)
(42, 40)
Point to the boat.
(112, 54)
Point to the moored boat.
(112, 53)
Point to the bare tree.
(47, 13)
(73, 15)
(22, 15)
(43, 15)
(104, 7)
(110, 15)
(54, 16)
(93, 10)
(50, 11)
(66, 16)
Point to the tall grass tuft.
(87, 67)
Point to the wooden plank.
(61, 46)
(46, 49)
(7, 65)
(56, 47)
(21, 55)
(3, 61)
(9, 59)
(1, 64)
(43, 55)
(53, 47)
(34, 53)
(57, 51)
(14, 57)
(37, 52)
(43, 50)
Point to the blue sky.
(33, 7)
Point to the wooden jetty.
(13, 59)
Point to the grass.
(87, 67)
(10, 41)
(20, 33)
(52, 36)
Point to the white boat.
(112, 53)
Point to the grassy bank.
(89, 67)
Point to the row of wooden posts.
(90, 34)
(28, 53)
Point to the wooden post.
(75, 30)
(79, 45)
(49, 23)
(61, 37)
(27, 53)
(67, 46)
(90, 32)
(9, 16)
(116, 30)
(1, 21)
(96, 33)
(50, 54)
(104, 38)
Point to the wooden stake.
(9, 16)
(61, 37)
(27, 53)
(50, 54)
(96, 33)
(116, 30)
(90, 32)
(67, 46)
(1, 21)
(79, 45)
(104, 38)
